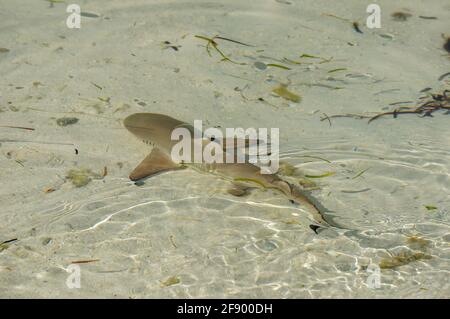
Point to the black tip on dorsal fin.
(314, 228)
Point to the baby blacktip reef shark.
(156, 130)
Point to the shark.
(155, 130)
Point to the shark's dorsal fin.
(157, 161)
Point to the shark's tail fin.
(301, 197)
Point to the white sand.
(183, 224)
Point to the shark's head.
(157, 130)
(153, 129)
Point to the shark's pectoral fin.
(155, 162)
(238, 190)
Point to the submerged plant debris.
(418, 242)
(430, 207)
(5, 244)
(400, 16)
(9, 241)
(52, 2)
(18, 127)
(428, 17)
(64, 121)
(440, 101)
(86, 261)
(89, 14)
(172, 241)
(274, 65)
(97, 86)
(321, 175)
(212, 43)
(402, 258)
(360, 173)
(170, 281)
(49, 190)
(337, 70)
(355, 24)
(81, 177)
(355, 191)
(167, 44)
(310, 56)
(356, 27)
(4, 50)
(283, 92)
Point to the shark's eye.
(212, 138)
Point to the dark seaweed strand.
(425, 109)
(394, 113)
(356, 27)
(357, 116)
(18, 127)
(438, 102)
(214, 44)
(226, 39)
(9, 241)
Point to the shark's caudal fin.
(301, 197)
(157, 161)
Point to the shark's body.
(156, 129)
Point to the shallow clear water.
(184, 224)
